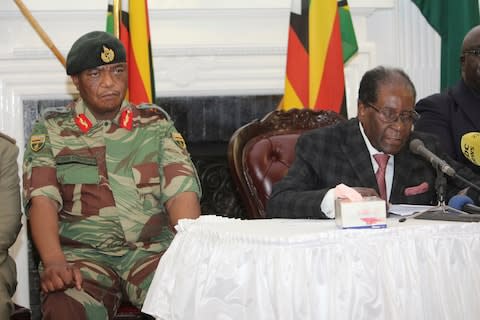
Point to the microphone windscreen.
(416, 145)
(470, 145)
(458, 201)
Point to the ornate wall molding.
(192, 54)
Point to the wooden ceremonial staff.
(40, 31)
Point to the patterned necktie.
(382, 160)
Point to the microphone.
(470, 145)
(459, 201)
(418, 147)
(464, 203)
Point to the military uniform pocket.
(147, 181)
(73, 169)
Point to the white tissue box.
(370, 212)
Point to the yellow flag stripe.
(139, 40)
(321, 18)
(291, 99)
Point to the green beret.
(94, 49)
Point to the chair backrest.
(260, 152)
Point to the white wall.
(201, 47)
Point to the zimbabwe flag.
(128, 20)
(320, 39)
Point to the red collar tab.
(83, 122)
(126, 119)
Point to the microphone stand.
(443, 211)
(441, 189)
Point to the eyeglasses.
(475, 52)
(387, 115)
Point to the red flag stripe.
(332, 87)
(135, 81)
(297, 73)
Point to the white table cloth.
(220, 268)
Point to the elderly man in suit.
(452, 114)
(347, 152)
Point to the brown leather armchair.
(260, 152)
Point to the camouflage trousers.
(107, 281)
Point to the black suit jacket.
(329, 156)
(449, 116)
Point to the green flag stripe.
(349, 41)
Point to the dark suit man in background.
(451, 114)
(345, 153)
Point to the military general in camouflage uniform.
(104, 182)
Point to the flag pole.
(116, 18)
(43, 35)
(280, 103)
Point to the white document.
(407, 209)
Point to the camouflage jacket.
(111, 179)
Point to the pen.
(403, 219)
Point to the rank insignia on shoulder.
(37, 142)
(126, 120)
(83, 123)
(177, 137)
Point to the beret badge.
(107, 55)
